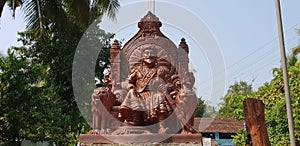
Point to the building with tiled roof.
(219, 129)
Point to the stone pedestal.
(141, 139)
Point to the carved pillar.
(183, 51)
(115, 65)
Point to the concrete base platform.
(88, 139)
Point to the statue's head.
(107, 80)
(149, 55)
(189, 79)
(100, 93)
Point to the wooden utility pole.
(255, 122)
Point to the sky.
(9, 28)
(245, 32)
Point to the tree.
(272, 94)
(200, 108)
(13, 4)
(292, 58)
(232, 105)
(210, 111)
(43, 16)
(37, 101)
(23, 99)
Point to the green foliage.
(200, 108)
(13, 4)
(29, 107)
(37, 101)
(205, 110)
(96, 38)
(44, 16)
(210, 111)
(293, 60)
(273, 96)
(240, 138)
(232, 105)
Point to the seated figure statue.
(148, 85)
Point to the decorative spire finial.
(184, 46)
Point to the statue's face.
(149, 56)
(189, 80)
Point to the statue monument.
(149, 93)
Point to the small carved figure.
(102, 103)
(185, 100)
(107, 80)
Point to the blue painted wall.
(223, 142)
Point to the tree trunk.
(255, 122)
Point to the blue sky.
(246, 33)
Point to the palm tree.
(13, 4)
(41, 15)
(294, 53)
(292, 58)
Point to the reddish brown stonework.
(141, 138)
(151, 90)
